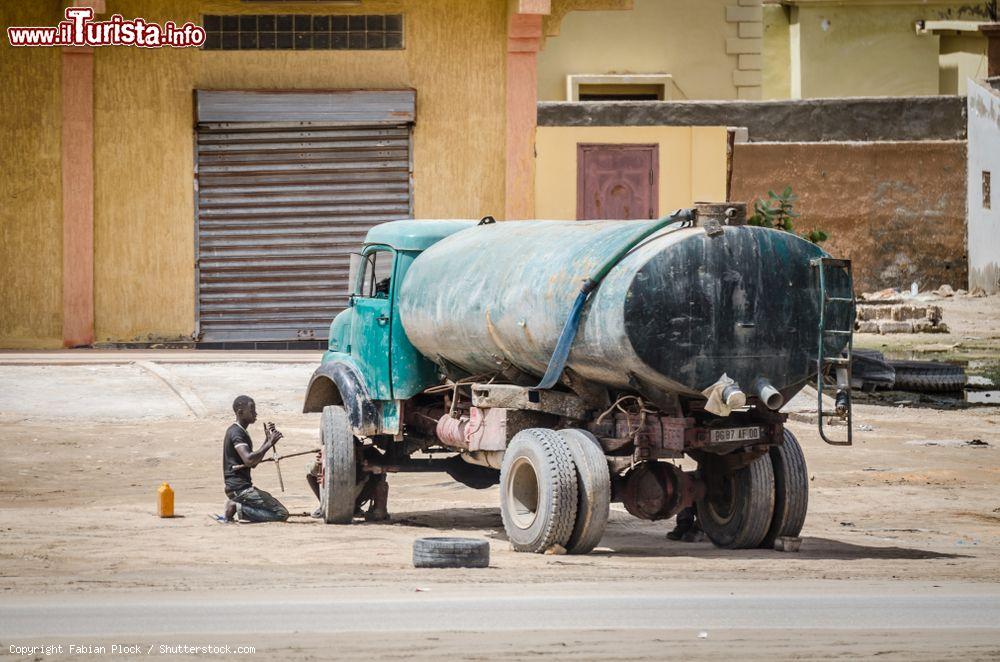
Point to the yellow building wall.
(962, 57)
(30, 184)
(845, 52)
(685, 38)
(692, 164)
(817, 49)
(144, 206)
(776, 73)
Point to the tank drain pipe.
(767, 393)
(557, 362)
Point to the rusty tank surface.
(573, 362)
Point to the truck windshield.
(371, 273)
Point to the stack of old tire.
(872, 371)
(928, 376)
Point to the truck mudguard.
(340, 383)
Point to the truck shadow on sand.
(635, 538)
(462, 519)
(817, 549)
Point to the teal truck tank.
(571, 361)
(676, 313)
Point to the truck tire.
(928, 376)
(340, 467)
(929, 382)
(538, 491)
(593, 487)
(736, 513)
(939, 367)
(791, 490)
(450, 553)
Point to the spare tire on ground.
(444, 552)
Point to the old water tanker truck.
(577, 363)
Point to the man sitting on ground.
(246, 502)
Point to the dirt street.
(87, 441)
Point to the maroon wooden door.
(617, 181)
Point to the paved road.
(890, 606)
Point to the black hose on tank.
(557, 362)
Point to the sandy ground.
(84, 448)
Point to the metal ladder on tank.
(844, 361)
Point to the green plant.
(778, 211)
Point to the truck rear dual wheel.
(791, 490)
(538, 491)
(340, 466)
(555, 490)
(593, 486)
(736, 511)
(759, 503)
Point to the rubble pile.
(899, 318)
(895, 311)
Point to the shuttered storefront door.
(280, 207)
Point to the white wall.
(984, 155)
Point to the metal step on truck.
(576, 362)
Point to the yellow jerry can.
(165, 501)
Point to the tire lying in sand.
(451, 553)
(929, 382)
(928, 376)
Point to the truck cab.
(369, 357)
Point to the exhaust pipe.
(767, 394)
(733, 396)
(488, 459)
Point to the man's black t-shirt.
(237, 480)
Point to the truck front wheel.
(735, 512)
(340, 466)
(538, 491)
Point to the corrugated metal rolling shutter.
(280, 208)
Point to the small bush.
(778, 211)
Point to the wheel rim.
(722, 503)
(522, 493)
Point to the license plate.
(734, 434)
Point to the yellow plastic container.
(165, 501)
